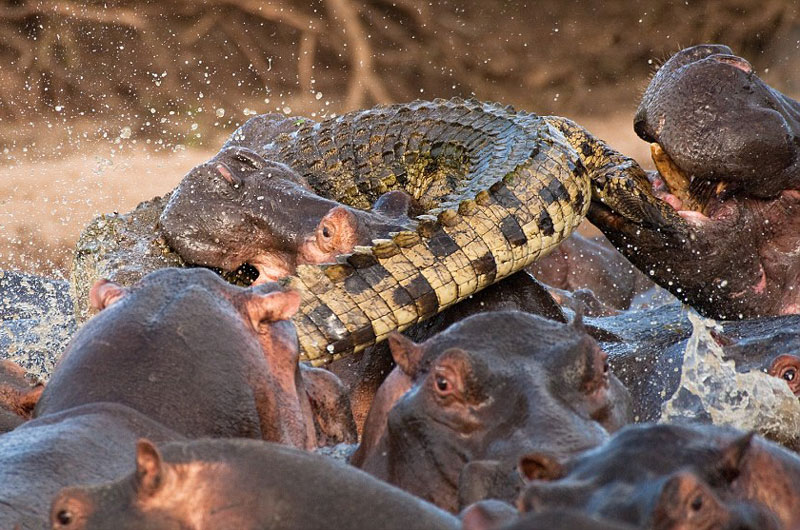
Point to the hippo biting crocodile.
(726, 148)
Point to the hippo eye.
(326, 232)
(789, 374)
(64, 517)
(697, 503)
(442, 384)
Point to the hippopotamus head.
(489, 387)
(671, 476)
(224, 484)
(726, 146)
(198, 355)
(240, 208)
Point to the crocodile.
(500, 188)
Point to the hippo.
(213, 484)
(19, 394)
(364, 374)
(726, 148)
(649, 473)
(240, 208)
(88, 444)
(202, 357)
(492, 515)
(489, 387)
(592, 265)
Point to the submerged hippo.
(218, 484)
(726, 146)
(490, 387)
(201, 357)
(240, 208)
(660, 475)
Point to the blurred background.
(104, 104)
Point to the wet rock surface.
(36, 320)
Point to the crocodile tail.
(617, 181)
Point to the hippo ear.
(405, 352)
(149, 468)
(241, 157)
(540, 466)
(271, 307)
(732, 456)
(486, 515)
(337, 232)
(104, 293)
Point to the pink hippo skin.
(242, 485)
(201, 357)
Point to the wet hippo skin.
(89, 444)
(702, 476)
(489, 387)
(198, 355)
(727, 148)
(223, 484)
(241, 208)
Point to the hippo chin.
(490, 387)
(726, 146)
(239, 208)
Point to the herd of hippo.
(526, 387)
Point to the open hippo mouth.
(725, 145)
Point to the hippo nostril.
(733, 60)
(640, 127)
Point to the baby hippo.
(492, 387)
(201, 357)
(18, 395)
(242, 484)
(240, 208)
(671, 476)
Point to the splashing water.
(712, 391)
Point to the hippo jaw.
(726, 149)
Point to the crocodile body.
(501, 188)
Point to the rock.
(36, 320)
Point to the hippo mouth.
(696, 200)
